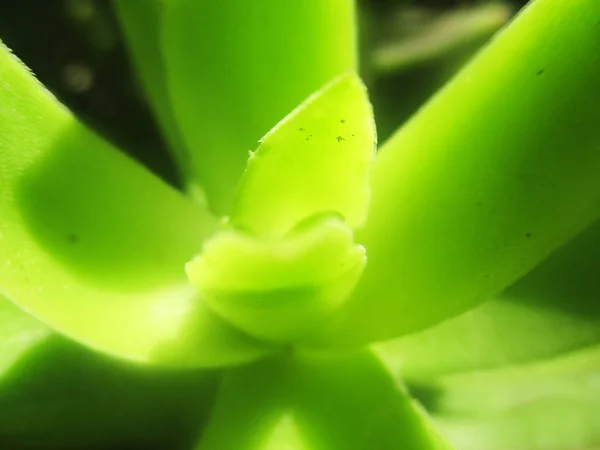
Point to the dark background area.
(76, 49)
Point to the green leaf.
(552, 310)
(497, 171)
(18, 334)
(279, 290)
(235, 68)
(316, 160)
(553, 405)
(295, 261)
(140, 21)
(316, 402)
(55, 394)
(93, 244)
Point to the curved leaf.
(497, 171)
(234, 68)
(553, 405)
(93, 244)
(283, 289)
(552, 310)
(316, 160)
(56, 394)
(317, 402)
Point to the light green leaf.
(317, 402)
(497, 171)
(553, 405)
(552, 310)
(295, 261)
(316, 160)
(18, 334)
(279, 290)
(234, 68)
(93, 244)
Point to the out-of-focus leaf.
(141, 26)
(440, 35)
(552, 310)
(496, 172)
(234, 68)
(317, 402)
(553, 405)
(55, 394)
(93, 244)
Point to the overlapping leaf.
(496, 172)
(93, 244)
(234, 69)
(318, 402)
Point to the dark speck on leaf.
(527, 235)
(540, 72)
(300, 129)
(342, 121)
(340, 139)
(73, 238)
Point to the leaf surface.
(94, 245)
(317, 402)
(235, 68)
(496, 172)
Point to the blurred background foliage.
(75, 47)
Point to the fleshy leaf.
(56, 394)
(235, 67)
(93, 244)
(325, 402)
(496, 172)
(279, 289)
(552, 310)
(18, 334)
(553, 405)
(316, 160)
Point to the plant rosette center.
(279, 289)
(286, 259)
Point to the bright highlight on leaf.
(294, 261)
(279, 289)
(316, 160)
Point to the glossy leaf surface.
(497, 171)
(235, 68)
(93, 244)
(279, 290)
(316, 160)
(552, 310)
